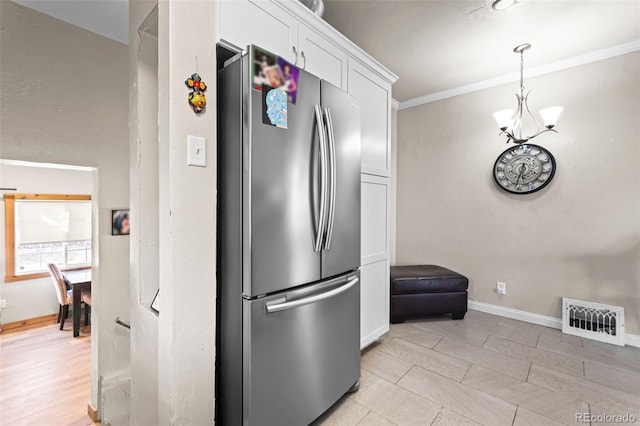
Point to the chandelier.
(513, 123)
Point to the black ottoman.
(419, 290)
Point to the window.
(46, 228)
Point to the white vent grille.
(596, 321)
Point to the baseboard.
(38, 321)
(629, 339)
(632, 340)
(92, 412)
(516, 314)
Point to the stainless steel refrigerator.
(288, 319)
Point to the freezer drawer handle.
(277, 306)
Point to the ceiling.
(435, 45)
(438, 45)
(109, 18)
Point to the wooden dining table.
(80, 281)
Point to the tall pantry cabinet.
(290, 30)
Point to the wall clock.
(524, 169)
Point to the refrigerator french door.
(288, 252)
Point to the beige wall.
(579, 237)
(64, 100)
(394, 185)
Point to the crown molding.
(598, 55)
(395, 104)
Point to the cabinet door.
(374, 192)
(374, 291)
(261, 22)
(321, 57)
(374, 95)
(374, 302)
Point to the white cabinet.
(374, 95)
(374, 301)
(374, 246)
(259, 22)
(268, 25)
(374, 196)
(321, 57)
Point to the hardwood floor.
(489, 370)
(45, 376)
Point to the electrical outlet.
(501, 288)
(3, 303)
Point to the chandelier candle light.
(511, 122)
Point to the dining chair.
(65, 297)
(86, 299)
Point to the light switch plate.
(196, 151)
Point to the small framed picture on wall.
(120, 222)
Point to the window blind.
(52, 221)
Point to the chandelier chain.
(522, 73)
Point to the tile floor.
(489, 370)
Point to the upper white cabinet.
(321, 57)
(374, 95)
(259, 22)
(268, 25)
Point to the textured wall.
(143, 122)
(187, 34)
(579, 237)
(64, 100)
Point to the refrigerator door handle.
(333, 177)
(277, 305)
(323, 179)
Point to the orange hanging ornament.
(197, 98)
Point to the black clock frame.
(544, 184)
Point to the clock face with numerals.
(524, 169)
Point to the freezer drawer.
(301, 351)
